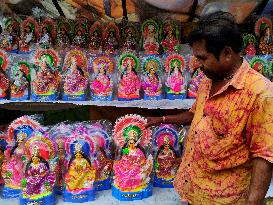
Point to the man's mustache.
(211, 75)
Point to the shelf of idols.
(59, 105)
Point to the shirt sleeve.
(200, 91)
(193, 108)
(259, 131)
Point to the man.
(228, 153)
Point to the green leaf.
(24, 183)
(125, 151)
(8, 174)
(156, 166)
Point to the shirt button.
(221, 136)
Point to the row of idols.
(152, 37)
(40, 77)
(76, 160)
(20, 36)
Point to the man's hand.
(153, 121)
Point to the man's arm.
(260, 181)
(183, 118)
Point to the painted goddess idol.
(130, 37)
(132, 171)
(47, 33)
(150, 36)
(111, 38)
(59, 134)
(29, 35)
(39, 175)
(167, 160)
(9, 39)
(259, 64)
(95, 33)
(151, 83)
(13, 166)
(80, 175)
(102, 83)
(75, 76)
(80, 34)
(63, 40)
(45, 77)
(175, 84)
(103, 161)
(20, 81)
(129, 83)
(263, 30)
(197, 77)
(170, 37)
(249, 45)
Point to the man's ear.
(227, 51)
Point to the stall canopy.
(135, 10)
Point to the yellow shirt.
(229, 129)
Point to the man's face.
(212, 67)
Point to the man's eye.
(202, 58)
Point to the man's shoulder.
(257, 84)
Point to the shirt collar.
(238, 80)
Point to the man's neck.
(218, 85)
(229, 75)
